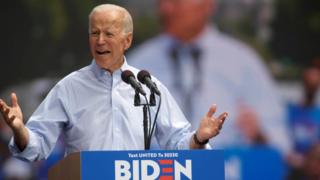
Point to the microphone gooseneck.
(145, 78)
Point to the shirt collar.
(199, 41)
(103, 74)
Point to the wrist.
(199, 141)
(18, 128)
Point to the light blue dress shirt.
(94, 110)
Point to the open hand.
(12, 115)
(210, 126)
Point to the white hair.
(126, 17)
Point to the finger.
(222, 118)
(212, 110)
(14, 99)
(12, 118)
(2, 109)
(6, 112)
(3, 105)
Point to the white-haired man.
(93, 107)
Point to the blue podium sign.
(257, 162)
(146, 165)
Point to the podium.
(140, 165)
(257, 162)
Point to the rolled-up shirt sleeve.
(30, 152)
(44, 128)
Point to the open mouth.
(103, 52)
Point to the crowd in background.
(222, 70)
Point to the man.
(199, 64)
(93, 107)
(303, 120)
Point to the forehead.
(106, 17)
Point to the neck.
(185, 36)
(111, 67)
(309, 99)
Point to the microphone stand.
(152, 102)
(145, 127)
(152, 99)
(137, 102)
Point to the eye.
(94, 33)
(109, 34)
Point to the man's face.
(311, 79)
(107, 39)
(185, 16)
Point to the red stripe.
(167, 170)
(166, 178)
(165, 161)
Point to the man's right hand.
(14, 118)
(12, 115)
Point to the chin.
(100, 60)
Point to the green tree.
(296, 31)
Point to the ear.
(128, 40)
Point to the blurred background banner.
(42, 41)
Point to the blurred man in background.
(199, 65)
(316, 64)
(304, 122)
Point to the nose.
(101, 39)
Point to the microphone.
(128, 77)
(145, 78)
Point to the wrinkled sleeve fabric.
(44, 127)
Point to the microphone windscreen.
(142, 75)
(125, 75)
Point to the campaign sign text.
(153, 164)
